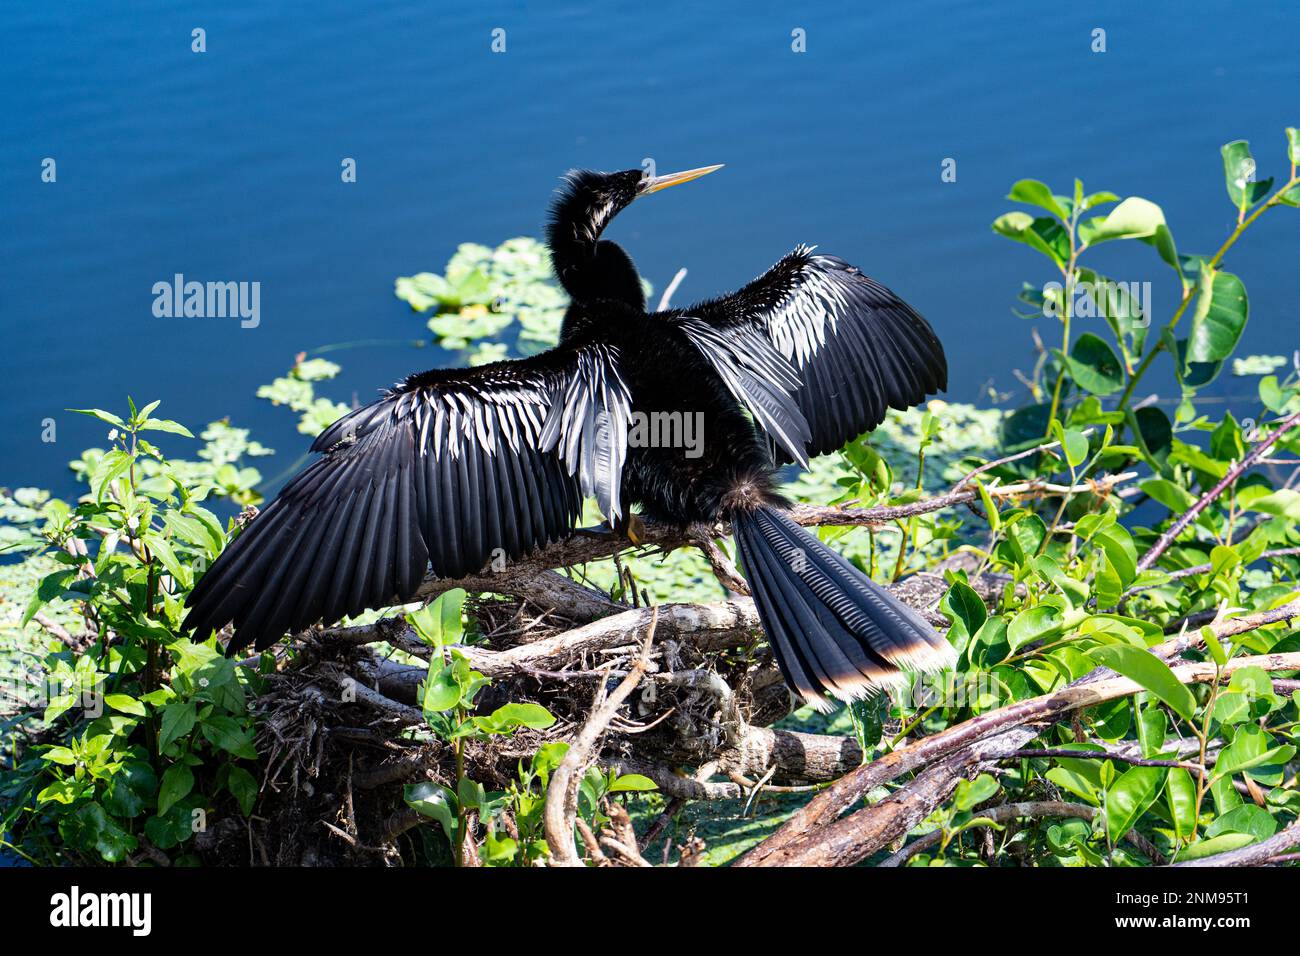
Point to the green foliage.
(1074, 597)
(447, 700)
(1219, 305)
(148, 733)
(297, 390)
(483, 292)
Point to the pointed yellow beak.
(653, 184)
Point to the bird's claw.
(634, 528)
(630, 527)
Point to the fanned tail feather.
(834, 631)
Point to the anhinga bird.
(453, 463)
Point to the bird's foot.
(634, 528)
(629, 526)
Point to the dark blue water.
(225, 166)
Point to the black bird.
(452, 464)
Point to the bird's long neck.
(590, 268)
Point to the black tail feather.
(834, 631)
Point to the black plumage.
(452, 465)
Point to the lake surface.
(225, 165)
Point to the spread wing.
(445, 469)
(857, 349)
(758, 377)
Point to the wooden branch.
(708, 626)
(1102, 754)
(407, 715)
(533, 578)
(675, 785)
(58, 630)
(561, 809)
(989, 465)
(1257, 854)
(542, 588)
(839, 515)
(1002, 725)
(1206, 569)
(795, 756)
(723, 567)
(1187, 517)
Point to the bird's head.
(586, 265)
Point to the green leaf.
(113, 466)
(52, 586)
(1248, 818)
(1151, 727)
(177, 782)
(1173, 496)
(230, 735)
(1221, 314)
(1075, 445)
(1034, 193)
(125, 703)
(1251, 747)
(509, 716)
(1213, 645)
(434, 801)
(970, 793)
(1214, 846)
(1035, 624)
(61, 791)
(1180, 796)
(1097, 199)
(163, 553)
(165, 425)
(1130, 797)
(93, 828)
(1148, 670)
(107, 417)
(1116, 541)
(441, 690)
(1154, 433)
(1239, 175)
(131, 789)
(1284, 503)
(966, 610)
(1094, 366)
(1106, 582)
(990, 507)
(1043, 234)
(1293, 145)
(632, 782)
(243, 786)
(1132, 219)
(177, 721)
(439, 624)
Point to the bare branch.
(562, 793)
(1187, 517)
